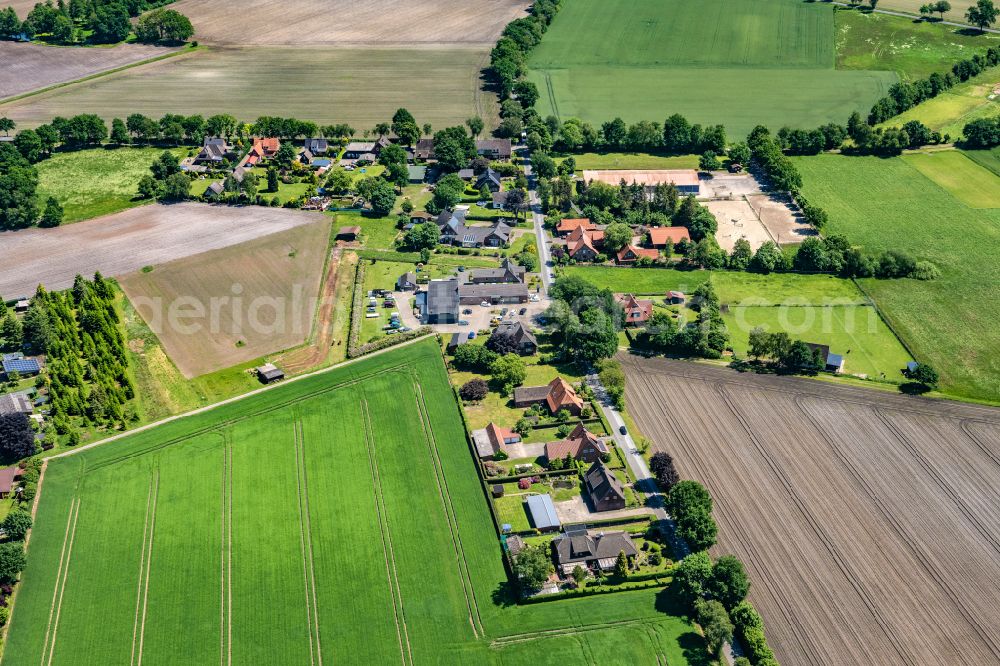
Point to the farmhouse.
(16, 362)
(556, 395)
(660, 236)
(543, 513)
(262, 149)
(524, 340)
(569, 225)
(580, 445)
(589, 549)
(631, 254)
(7, 477)
(637, 312)
(494, 149)
(269, 373)
(606, 492)
(472, 294)
(685, 180)
(508, 272)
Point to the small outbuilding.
(543, 513)
(675, 298)
(348, 234)
(269, 373)
(498, 490)
(7, 477)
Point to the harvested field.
(376, 22)
(360, 86)
(254, 298)
(867, 520)
(125, 242)
(30, 67)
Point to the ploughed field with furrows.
(869, 522)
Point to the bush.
(474, 390)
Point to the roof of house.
(500, 146)
(543, 512)
(486, 447)
(466, 174)
(585, 240)
(213, 151)
(590, 546)
(268, 144)
(577, 440)
(570, 224)
(488, 176)
(637, 252)
(633, 305)
(517, 330)
(359, 147)
(348, 231)
(658, 236)
(14, 403)
(493, 290)
(442, 297)
(424, 149)
(501, 199)
(508, 270)
(498, 436)
(214, 141)
(561, 394)
(409, 278)
(530, 393)
(318, 145)
(647, 177)
(601, 481)
(7, 475)
(24, 366)
(217, 188)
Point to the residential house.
(15, 403)
(439, 304)
(494, 149)
(407, 282)
(569, 225)
(491, 440)
(306, 157)
(605, 490)
(583, 245)
(524, 340)
(508, 272)
(580, 445)
(591, 550)
(660, 236)
(637, 312)
(424, 150)
(685, 180)
(318, 146)
(555, 395)
(358, 150)
(490, 179)
(543, 513)
(455, 232)
(631, 254)
(214, 190)
(214, 151)
(263, 149)
(16, 362)
(497, 293)
(7, 478)
(500, 202)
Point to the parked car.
(461, 269)
(522, 311)
(622, 430)
(484, 304)
(472, 335)
(467, 311)
(503, 312)
(463, 322)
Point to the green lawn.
(310, 507)
(91, 183)
(912, 49)
(673, 56)
(953, 323)
(378, 233)
(854, 331)
(950, 111)
(965, 179)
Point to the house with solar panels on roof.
(25, 367)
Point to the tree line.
(97, 22)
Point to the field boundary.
(305, 534)
(388, 553)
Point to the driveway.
(522, 450)
(576, 510)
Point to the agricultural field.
(951, 111)
(847, 505)
(237, 303)
(912, 49)
(300, 513)
(638, 161)
(659, 55)
(379, 22)
(359, 86)
(952, 322)
(128, 241)
(957, 13)
(102, 181)
(965, 179)
(30, 67)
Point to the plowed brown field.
(869, 522)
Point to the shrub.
(524, 484)
(474, 390)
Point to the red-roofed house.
(568, 226)
(631, 254)
(637, 312)
(7, 476)
(580, 445)
(501, 436)
(556, 395)
(658, 236)
(582, 245)
(262, 149)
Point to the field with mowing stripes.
(302, 526)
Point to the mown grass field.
(309, 507)
(633, 161)
(694, 59)
(91, 183)
(953, 322)
(914, 50)
(951, 111)
(964, 178)
(358, 86)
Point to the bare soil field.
(782, 223)
(127, 241)
(30, 67)
(360, 86)
(868, 521)
(737, 220)
(235, 304)
(347, 22)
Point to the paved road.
(538, 217)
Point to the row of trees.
(508, 59)
(103, 21)
(706, 336)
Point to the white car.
(484, 304)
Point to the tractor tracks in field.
(306, 545)
(146, 563)
(61, 574)
(226, 559)
(392, 577)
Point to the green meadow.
(324, 531)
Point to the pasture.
(313, 507)
(125, 242)
(866, 519)
(952, 322)
(659, 56)
(359, 86)
(30, 67)
(965, 179)
(950, 111)
(91, 183)
(236, 304)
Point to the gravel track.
(867, 520)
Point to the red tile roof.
(636, 311)
(658, 236)
(499, 436)
(572, 224)
(631, 253)
(561, 394)
(581, 443)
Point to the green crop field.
(739, 64)
(91, 183)
(964, 178)
(953, 322)
(300, 525)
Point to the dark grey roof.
(317, 145)
(602, 482)
(466, 174)
(406, 279)
(508, 272)
(543, 512)
(517, 330)
(217, 188)
(495, 290)
(488, 176)
(592, 546)
(424, 149)
(14, 403)
(442, 297)
(499, 146)
(19, 364)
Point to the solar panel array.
(21, 365)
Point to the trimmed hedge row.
(594, 591)
(750, 630)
